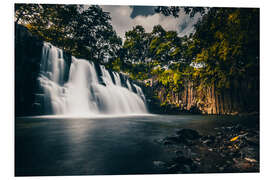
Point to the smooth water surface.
(99, 146)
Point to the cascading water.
(82, 94)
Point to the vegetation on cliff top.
(84, 32)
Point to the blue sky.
(126, 17)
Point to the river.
(102, 145)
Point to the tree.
(84, 33)
(136, 45)
(228, 40)
(95, 37)
(58, 27)
(26, 12)
(174, 10)
(165, 47)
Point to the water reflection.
(116, 145)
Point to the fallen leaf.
(235, 138)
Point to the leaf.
(235, 138)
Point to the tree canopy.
(223, 49)
(228, 44)
(86, 33)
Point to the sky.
(124, 18)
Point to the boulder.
(189, 134)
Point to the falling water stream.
(83, 94)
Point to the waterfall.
(83, 93)
(129, 85)
(117, 79)
(139, 91)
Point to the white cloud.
(122, 22)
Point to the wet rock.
(179, 153)
(249, 152)
(218, 138)
(212, 138)
(174, 168)
(182, 164)
(208, 142)
(159, 164)
(183, 136)
(188, 134)
(189, 142)
(187, 168)
(253, 141)
(171, 140)
(235, 154)
(250, 159)
(219, 133)
(165, 142)
(228, 162)
(221, 169)
(182, 160)
(231, 149)
(222, 155)
(243, 165)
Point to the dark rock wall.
(28, 50)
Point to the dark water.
(80, 146)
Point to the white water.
(82, 94)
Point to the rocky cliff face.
(27, 65)
(240, 97)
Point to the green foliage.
(143, 54)
(229, 47)
(136, 45)
(95, 33)
(86, 33)
(165, 47)
(27, 13)
(223, 50)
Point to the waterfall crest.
(83, 93)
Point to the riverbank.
(227, 149)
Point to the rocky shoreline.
(231, 149)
